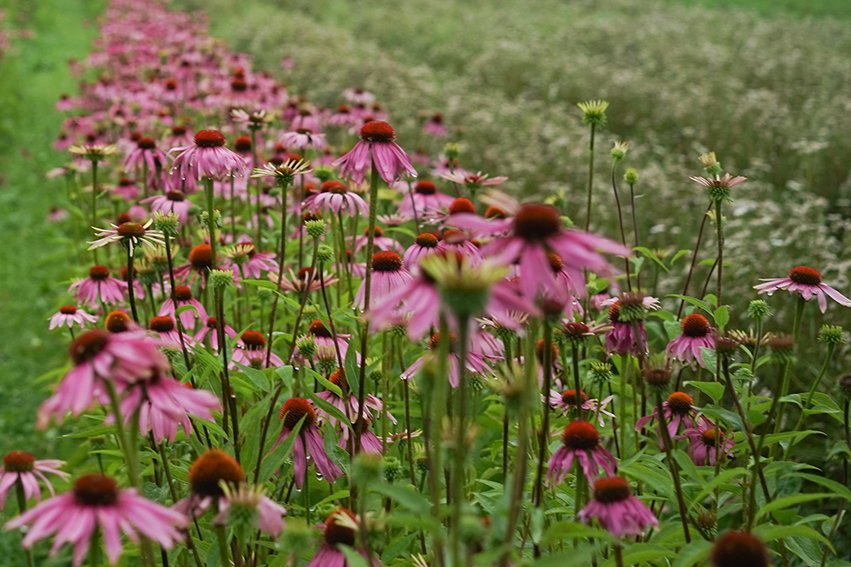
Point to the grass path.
(32, 77)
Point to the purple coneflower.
(70, 315)
(424, 201)
(580, 441)
(625, 337)
(705, 440)
(476, 362)
(244, 258)
(99, 287)
(21, 467)
(696, 334)
(426, 243)
(169, 334)
(164, 404)
(387, 276)
(250, 350)
(170, 202)
(348, 404)
(739, 549)
(534, 231)
(336, 198)
(244, 500)
(100, 356)
(567, 402)
(207, 157)
(309, 441)
(434, 126)
(340, 528)
(188, 317)
(380, 242)
(208, 329)
(617, 510)
(807, 283)
(146, 153)
(97, 506)
(376, 146)
(677, 409)
(473, 180)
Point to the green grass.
(797, 8)
(34, 275)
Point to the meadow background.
(764, 83)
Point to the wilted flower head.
(285, 172)
(94, 152)
(593, 111)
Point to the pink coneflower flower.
(325, 345)
(434, 126)
(126, 189)
(128, 233)
(119, 321)
(305, 280)
(309, 441)
(426, 243)
(99, 287)
(146, 153)
(244, 258)
(719, 182)
(70, 315)
(245, 500)
(475, 360)
(98, 355)
(387, 276)
(250, 350)
(348, 404)
(208, 329)
(534, 231)
(616, 509)
(359, 96)
(625, 338)
(218, 482)
(738, 549)
(677, 409)
(336, 198)
(96, 505)
(188, 317)
(21, 467)
(57, 214)
(168, 332)
(696, 334)
(380, 242)
(580, 441)
(704, 442)
(340, 528)
(200, 263)
(207, 157)
(424, 201)
(807, 283)
(164, 404)
(343, 116)
(566, 402)
(473, 181)
(171, 202)
(376, 146)
(303, 138)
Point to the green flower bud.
(831, 335)
(220, 279)
(315, 228)
(630, 176)
(759, 310)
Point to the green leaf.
(647, 253)
(645, 554)
(330, 409)
(574, 530)
(772, 532)
(327, 384)
(838, 488)
(275, 458)
(339, 495)
(694, 553)
(714, 390)
(722, 317)
(700, 304)
(792, 500)
(353, 558)
(406, 496)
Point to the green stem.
(131, 293)
(675, 472)
(458, 496)
(620, 223)
(282, 250)
(590, 177)
(95, 200)
(367, 282)
(812, 392)
(211, 219)
(22, 507)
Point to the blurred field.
(32, 75)
(767, 89)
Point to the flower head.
(377, 147)
(806, 282)
(97, 506)
(616, 509)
